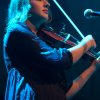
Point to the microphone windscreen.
(87, 13)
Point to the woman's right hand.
(88, 42)
(79, 50)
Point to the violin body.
(57, 41)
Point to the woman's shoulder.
(17, 30)
(20, 27)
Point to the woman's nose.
(47, 4)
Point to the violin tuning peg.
(62, 30)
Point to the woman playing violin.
(35, 68)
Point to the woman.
(35, 68)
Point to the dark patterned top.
(42, 66)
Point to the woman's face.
(39, 9)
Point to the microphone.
(89, 13)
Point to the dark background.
(75, 10)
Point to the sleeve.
(26, 46)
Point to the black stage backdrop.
(75, 10)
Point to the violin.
(63, 41)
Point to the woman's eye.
(39, 0)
